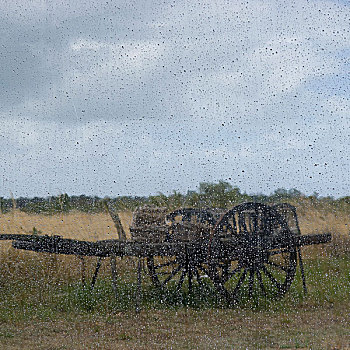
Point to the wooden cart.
(251, 250)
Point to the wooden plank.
(232, 248)
(117, 223)
(313, 239)
(58, 245)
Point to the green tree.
(161, 200)
(176, 200)
(64, 202)
(215, 194)
(2, 205)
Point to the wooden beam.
(117, 223)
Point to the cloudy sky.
(135, 97)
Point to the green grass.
(41, 296)
(39, 310)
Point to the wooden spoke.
(190, 275)
(272, 279)
(251, 283)
(240, 281)
(181, 280)
(198, 277)
(261, 284)
(173, 273)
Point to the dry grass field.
(77, 225)
(93, 227)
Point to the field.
(45, 306)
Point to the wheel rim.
(257, 271)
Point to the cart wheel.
(256, 271)
(188, 267)
(182, 271)
(289, 214)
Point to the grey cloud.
(196, 46)
(162, 96)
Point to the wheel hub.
(253, 258)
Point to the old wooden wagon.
(250, 250)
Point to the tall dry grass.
(92, 227)
(315, 219)
(75, 225)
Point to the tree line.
(219, 195)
